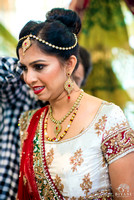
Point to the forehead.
(34, 53)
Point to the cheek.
(55, 75)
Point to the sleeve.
(9, 77)
(118, 137)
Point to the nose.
(30, 77)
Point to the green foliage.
(7, 42)
(107, 14)
(104, 84)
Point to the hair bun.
(67, 17)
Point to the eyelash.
(37, 67)
(23, 67)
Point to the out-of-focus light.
(128, 17)
(131, 41)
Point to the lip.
(38, 89)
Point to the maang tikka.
(26, 44)
(68, 85)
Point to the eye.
(39, 67)
(23, 67)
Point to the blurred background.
(107, 33)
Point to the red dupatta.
(27, 189)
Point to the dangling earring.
(68, 85)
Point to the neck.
(62, 104)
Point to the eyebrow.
(34, 62)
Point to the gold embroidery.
(24, 180)
(23, 120)
(58, 183)
(50, 157)
(117, 140)
(42, 182)
(24, 123)
(98, 195)
(66, 198)
(100, 125)
(76, 160)
(74, 198)
(86, 185)
(116, 128)
(47, 193)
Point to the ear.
(71, 63)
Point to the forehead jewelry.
(27, 43)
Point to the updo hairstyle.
(58, 29)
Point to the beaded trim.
(56, 139)
(58, 123)
(45, 170)
(49, 44)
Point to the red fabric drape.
(26, 191)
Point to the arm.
(122, 177)
(79, 6)
(118, 150)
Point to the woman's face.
(43, 73)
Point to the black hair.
(85, 60)
(58, 29)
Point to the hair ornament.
(27, 43)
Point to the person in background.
(79, 7)
(81, 74)
(78, 146)
(15, 98)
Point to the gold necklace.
(56, 139)
(58, 127)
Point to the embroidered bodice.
(79, 165)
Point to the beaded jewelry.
(56, 139)
(57, 128)
(27, 43)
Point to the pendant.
(57, 129)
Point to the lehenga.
(75, 168)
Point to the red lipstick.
(38, 89)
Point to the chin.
(42, 98)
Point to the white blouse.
(79, 165)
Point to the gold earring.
(68, 85)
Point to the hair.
(85, 60)
(57, 29)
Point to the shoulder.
(116, 118)
(26, 119)
(91, 104)
(118, 137)
(24, 122)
